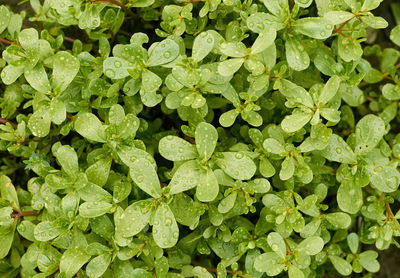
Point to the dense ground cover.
(201, 138)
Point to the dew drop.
(110, 73)
(139, 178)
(117, 64)
(167, 54)
(239, 155)
(168, 221)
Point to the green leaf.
(7, 191)
(272, 145)
(236, 164)
(229, 67)
(375, 22)
(65, 68)
(90, 127)
(207, 186)
(145, 176)
(138, 213)
(295, 272)
(28, 38)
(116, 68)
(163, 52)
(68, 160)
(296, 121)
(349, 49)
(176, 149)
(368, 260)
(263, 41)
(6, 239)
(353, 242)
(338, 17)
(338, 150)
(227, 203)
(349, 197)
(330, 89)
(98, 265)
(341, 265)
(150, 81)
(269, 263)
(162, 267)
(314, 27)
(252, 117)
(46, 230)
(116, 114)
(391, 91)
(39, 122)
(202, 46)
(165, 228)
(311, 245)
(287, 168)
(94, 209)
(206, 139)
(369, 131)
(11, 73)
(395, 35)
(186, 177)
(228, 118)
(5, 18)
(129, 155)
(187, 212)
(57, 111)
(384, 178)
(277, 244)
(37, 78)
(72, 261)
(201, 272)
(339, 220)
(295, 93)
(98, 172)
(128, 126)
(260, 185)
(370, 4)
(296, 56)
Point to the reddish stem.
(190, 139)
(212, 269)
(68, 39)
(117, 3)
(339, 30)
(21, 213)
(4, 121)
(69, 117)
(65, 38)
(6, 41)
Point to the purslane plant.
(199, 138)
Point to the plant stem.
(21, 213)
(212, 269)
(6, 41)
(384, 75)
(389, 213)
(4, 121)
(339, 30)
(69, 117)
(117, 3)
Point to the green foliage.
(200, 138)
